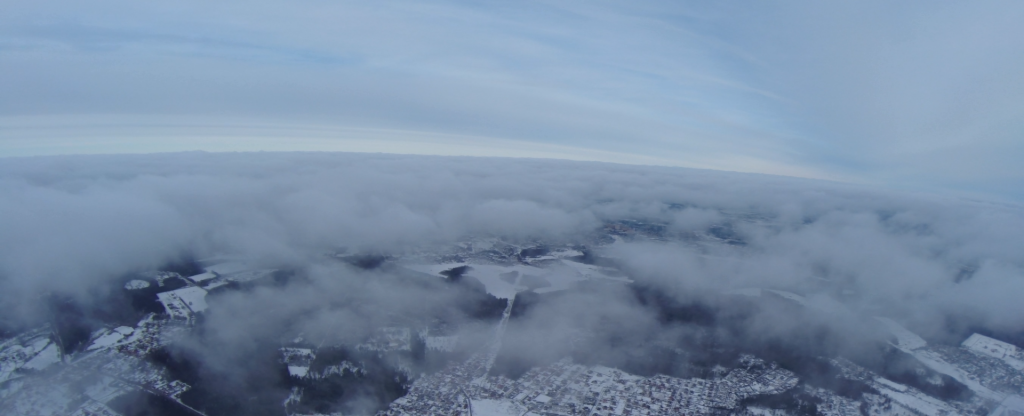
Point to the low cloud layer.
(72, 225)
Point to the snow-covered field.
(912, 398)
(500, 280)
(106, 338)
(47, 357)
(33, 350)
(995, 348)
(488, 407)
(181, 303)
(914, 345)
(202, 277)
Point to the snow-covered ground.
(488, 407)
(202, 277)
(914, 345)
(32, 350)
(297, 371)
(491, 277)
(935, 361)
(557, 273)
(106, 338)
(136, 284)
(995, 348)
(488, 274)
(764, 411)
(182, 303)
(47, 357)
(556, 255)
(298, 360)
(912, 398)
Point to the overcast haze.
(908, 95)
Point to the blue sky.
(909, 95)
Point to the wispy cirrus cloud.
(912, 95)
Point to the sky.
(923, 96)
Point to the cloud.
(824, 257)
(926, 93)
(73, 222)
(913, 96)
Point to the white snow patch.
(556, 255)
(935, 361)
(183, 302)
(194, 297)
(913, 399)
(297, 371)
(15, 352)
(490, 276)
(105, 389)
(995, 348)
(202, 277)
(891, 384)
(106, 340)
(488, 407)
(136, 284)
(47, 357)
(764, 411)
